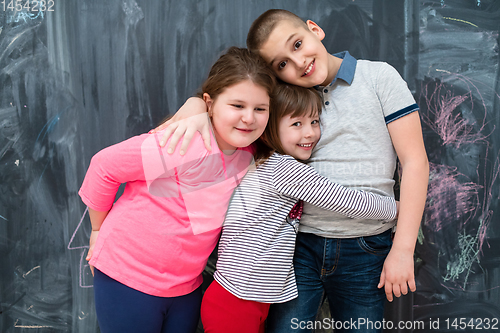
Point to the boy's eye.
(315, 122)
(297, 123)
(297, 44)
(260, 109)
(238, 106)
(282, 65)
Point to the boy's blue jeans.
(347, 272)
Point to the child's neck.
(224, 147)
(333, 68)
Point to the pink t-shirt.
(159, 234)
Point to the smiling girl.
(255, 258)
(149, 248)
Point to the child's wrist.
(403, 247)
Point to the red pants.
(222, 312)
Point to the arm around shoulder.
(189, 119)
(302, 182)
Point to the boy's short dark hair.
(264, 25)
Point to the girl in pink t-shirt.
(150, 247)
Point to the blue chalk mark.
(40, 179)
(3, 218)
(49, 126)
(25, 16)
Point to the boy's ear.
(315, 29)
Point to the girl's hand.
(191, 117)
(93, 238)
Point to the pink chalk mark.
(448, 123)
(449, 199)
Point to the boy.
(369, 117)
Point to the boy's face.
(297, 55)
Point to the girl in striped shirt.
(255, 256)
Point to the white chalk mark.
(29, 326)
(83, 316)
(3, 218)
(74, 233)
(31, 270)
(83, 262)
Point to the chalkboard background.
(91, 73)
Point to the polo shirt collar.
(347, 67)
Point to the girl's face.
(299, 135)
(239, 114)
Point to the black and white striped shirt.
(257, 243)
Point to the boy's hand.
(185, 129)
(191, 117)
(398, 274)
(93, 238)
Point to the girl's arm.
(303, 182)
(115, 165)
(398, 271)
(189, 119)
(108, 169)
(96, 218)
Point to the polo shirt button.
(327, 103)
(326, 90)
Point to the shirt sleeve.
(301, 181)
(396, 99)
(108, 169)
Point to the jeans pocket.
(377, 244)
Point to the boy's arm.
(189, 119)
(398, 271)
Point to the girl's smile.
(299, 135)
(239, 114)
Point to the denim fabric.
(347, 272)
(126, 310)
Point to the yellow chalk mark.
(460, 20)
(443, 70)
